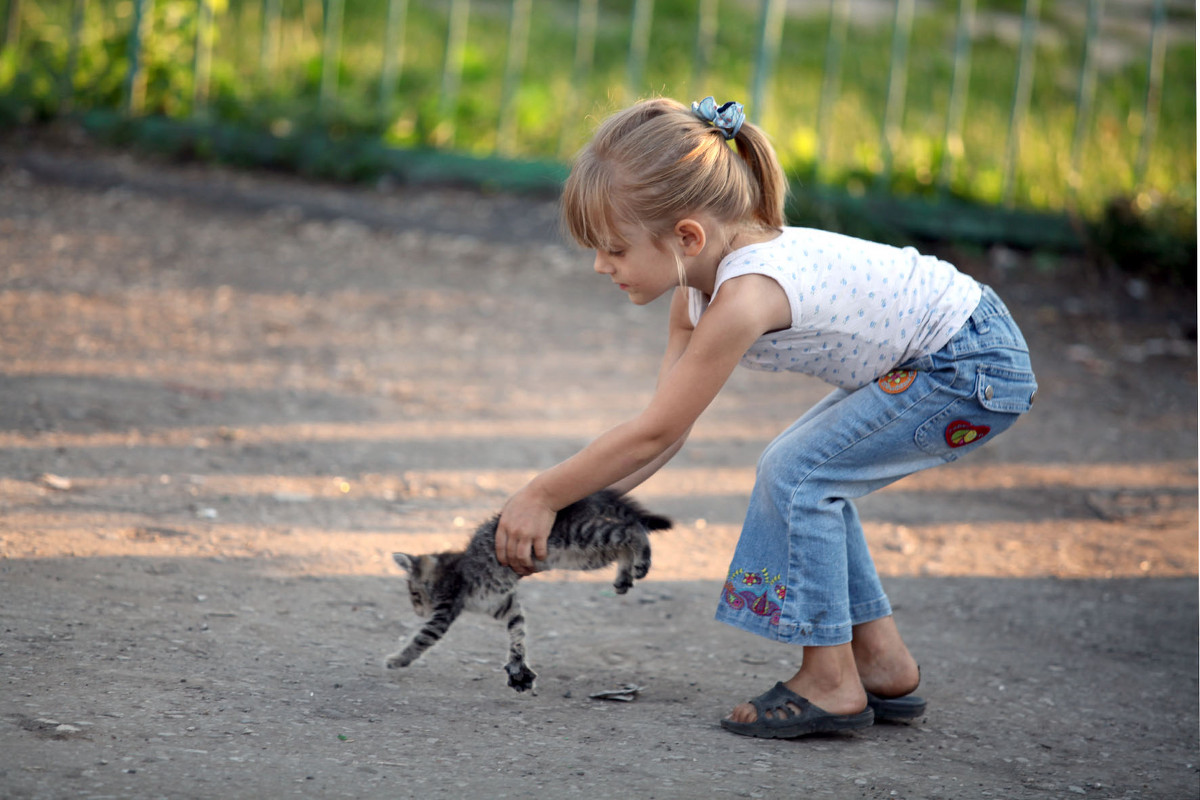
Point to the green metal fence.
(1035, 104)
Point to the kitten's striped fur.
(589, 534)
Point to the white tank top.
(859, 308)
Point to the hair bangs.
(589, 212)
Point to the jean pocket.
(1009, 391)
(1001, 395)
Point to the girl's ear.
(691, 236)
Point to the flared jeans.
(802, 572)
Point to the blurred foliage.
(267, 78)
(1152, 237)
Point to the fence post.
(66, 89)
(585, 51)
(639, 46)
(1021, 96)
(203, 65)
(1087, 90)
(331, 54)
(135, 78)
(839, 18)
(518, 42)
(893, 113)
(770, 32)
(456, 43)
(1154, 79)
(12, 25)
(269, 47)
(706, 38)
(952, 142)
(393, 54)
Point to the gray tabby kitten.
(589, 534)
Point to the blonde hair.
(656, 162)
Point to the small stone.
(56, 482)
(292, 497)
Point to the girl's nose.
(601, 265)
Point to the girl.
(926, 362)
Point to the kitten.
(589, 534)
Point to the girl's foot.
(838, 678)
(783, 714)
(839, 701)
(827, 679)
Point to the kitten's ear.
(405, 562)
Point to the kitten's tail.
(654, 522)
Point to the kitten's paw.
(520, 677)
(640, 570)
(622, 584)
(397, 660)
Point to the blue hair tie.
(727, 118)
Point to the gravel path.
(225, 398)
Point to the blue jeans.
(801, 572)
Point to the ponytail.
(756, 150)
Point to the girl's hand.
(523, 531)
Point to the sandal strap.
(779, 698)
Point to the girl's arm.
(631, 482)
(746, 308)
(679, 333)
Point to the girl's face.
(638, 266)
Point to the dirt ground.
(225, 398)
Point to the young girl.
(926, 362)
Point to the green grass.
(553, 116)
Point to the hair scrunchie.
(727, 118)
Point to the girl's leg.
(885, 666)
(802, 571)
(876, 660)
(803, 528)
(802, 515)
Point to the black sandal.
(778, 717)
(896, 709)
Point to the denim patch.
(961, 433)
(897, 380)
